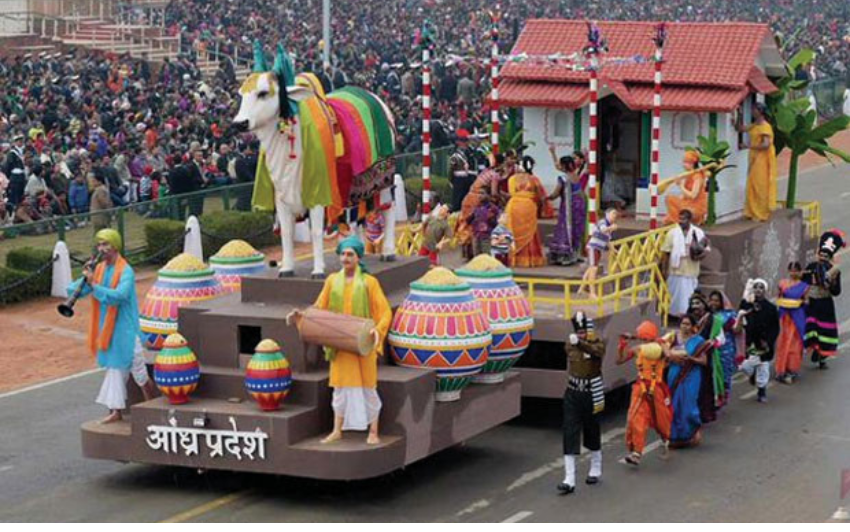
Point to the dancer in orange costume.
(694, 196)
(522, 211)
(650, 403)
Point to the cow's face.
(260, 101)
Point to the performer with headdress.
(114, 324)
(650, 405)
(760, 321)
(824, 276)
(354, 378)
(694, 196)
(584, 400)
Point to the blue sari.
(684, 382)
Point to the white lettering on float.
(172, 439)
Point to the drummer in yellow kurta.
(354, 378)
(761, 181)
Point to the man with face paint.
(824, 277)
(760, 321)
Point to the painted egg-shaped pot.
(441, 325)
(181, 282)
(268, 378)
(234, 260)
(508, 313)
(176, 371)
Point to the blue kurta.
(127, 328)
(686, 416)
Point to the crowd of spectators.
(90, 130)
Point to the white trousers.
(113, 391)
(358, 407)
(139, 370)
(754, 364)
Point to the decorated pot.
(176, 371)
(268, 377)
(507, 311)
(234, 260)
(441, 325)
(181, 282)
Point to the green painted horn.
(259, 57)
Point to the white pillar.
(61, 271)
(192, 241)
(326, 32)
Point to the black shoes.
(591, 480)
(565, 489)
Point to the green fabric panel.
(262, 198)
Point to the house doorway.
(619, 153)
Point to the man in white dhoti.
(683, 248)
(114, 325)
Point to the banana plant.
(712, 152)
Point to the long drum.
(338, 331)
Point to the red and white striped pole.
(494, 82)
(592, 155)
(426, 126)
(656, 129)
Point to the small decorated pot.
(176, 371)
(441, 325)
(507, 311)
(268, 377)
(181, 282)
(234, 260)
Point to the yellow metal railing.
(811, 216)
(410, 237)
(613, 290)
(637, 250)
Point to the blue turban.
(351, 242)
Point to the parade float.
(438, 343)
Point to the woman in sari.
(712, 390)
(522, 212)
(488, 183)
(724, 322)
(792, 324)
(684, 379)
(761, 179)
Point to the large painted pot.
(176, 371)
(510, 318)
(441, 325)
(234, 260)
(181, 282)
(268, 377)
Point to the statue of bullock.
(319, 152)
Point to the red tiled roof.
(517, 93)
(759, 82)
(681, 98)
(719, 55)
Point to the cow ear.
(299, 93)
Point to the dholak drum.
(337, 331)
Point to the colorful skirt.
(822, 327)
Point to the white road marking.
(841, 514)
(474, 507)
(544, 470)
(50, 383)
(750, 395)
(845, 195)
(519, 516)
(6, 468)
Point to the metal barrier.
(612, 291)
(410, 237)
(829, 95)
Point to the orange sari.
(522, 221)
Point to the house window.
(563, 125)
(686, 128)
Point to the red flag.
(845, 483)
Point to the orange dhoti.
(648, 411)
(698, 205)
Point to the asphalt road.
(781, 461)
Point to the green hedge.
(23, 262)
(219, 228)
(160, 234)
(439, 186)
(21, 293)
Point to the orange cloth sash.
(101, 341)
